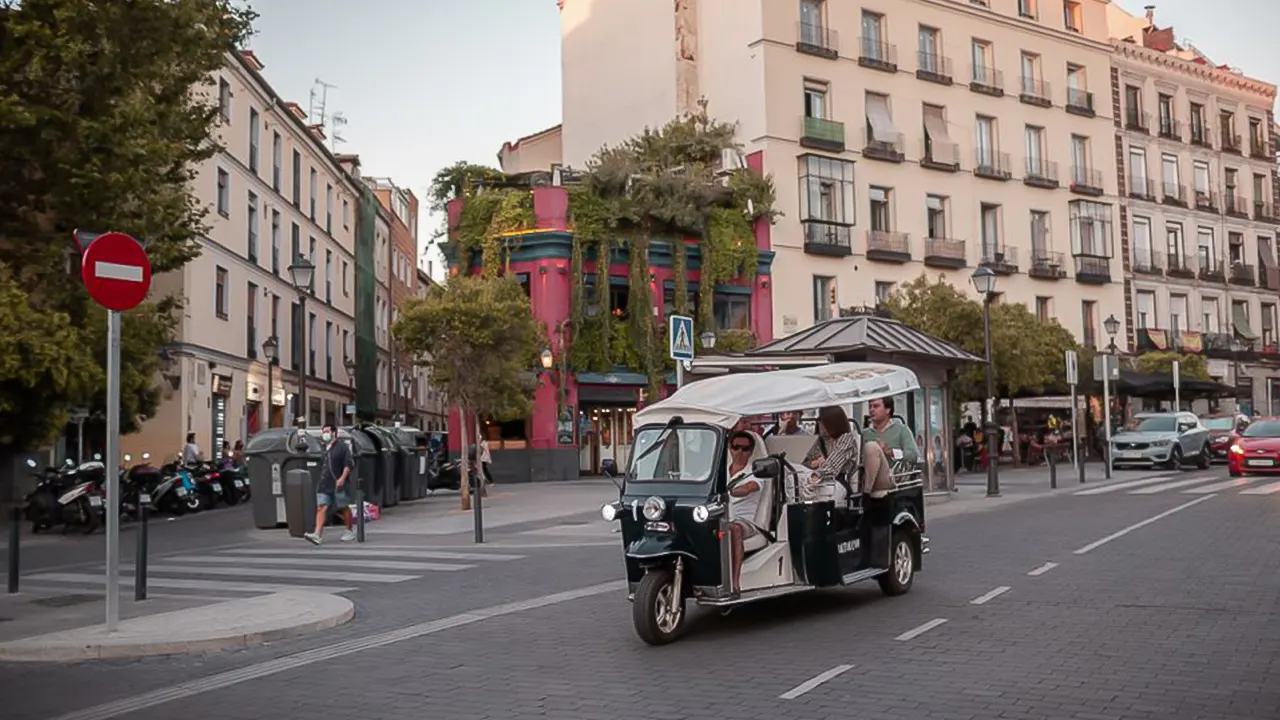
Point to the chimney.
(1151, 15)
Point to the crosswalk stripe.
(1216, 487)
(1169, 486)
(407, 552)
(317, 562)
(1117, 487)
(1267, 489)
(272, 572)
(184, 583)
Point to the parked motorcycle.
(235, 486)
(176, 493)
(83, 507)
(141, 479)
(41, 507)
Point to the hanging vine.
(484, 224)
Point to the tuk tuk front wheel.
(658, 609)
(902, 566)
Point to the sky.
(424, 83)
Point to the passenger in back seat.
(841, 447)
(744, 498)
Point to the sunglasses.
(740, 448)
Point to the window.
(1089, 322)
(732, 311)
(1198, 134)
(1090, 228)
(224, 99)
(328, 208)
(826, 190)
(1078, 87)
(825, 298)
(1031, 75)
(345, 344)
(1044, 308)
(253, 228)
(277, 159)
(1170, 175)
(936, 216)
(1176, 246)
(1027, 9)
(346, 289)
(1138, 171)
(311, 345)
(328, 276)
(1145, 309)
(311, 257)
(982, 56)
(1142, 250)
(811, 26)
(815, 99)
(1164, 114)
(220, 299)
(880, 130)
(1206, 252)
(251, 321)
(1040, 239)
(1240, 309)
(991, 248)
(872, 32)
(255, 136)
(1268, 321)
(1235, 248)
(1133, 107)
(884, 291)
(1259, 189)
(1082, 161)
(929, 47)
(1035, 151)
(1071, 17)
(985, 141)
(881, 212)
(1257, 139)
(1200, 173)
(297, 179)
(328, 350)
(224, 193)
(1178, 314)
(1230, 179)
(311, 188)
(275, 241)
(275, 317)
(346, 214)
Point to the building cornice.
(1204, 72)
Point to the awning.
(1241, 321)
(880, 119)
(1265, 254)
(935, 125)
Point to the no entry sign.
(116, 271)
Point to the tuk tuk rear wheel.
(902, 566)
(658, 608)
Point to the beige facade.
(904, 137)
(274, 192)
(534, 152)
(1200, 220)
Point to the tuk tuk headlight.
(654, 508)
(609, 511)
(701, 514)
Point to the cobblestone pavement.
(1064, 607)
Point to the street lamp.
(350, 365)
(1112, 326)
(270, 351)
(301, 272)
(708, 339)
(406, 382)
(547, 359)
(984, 281)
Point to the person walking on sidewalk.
(335, 470)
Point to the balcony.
(987, 81)
(823, 237)
(1200, 136)
(888, 150)
(1137, 121)
(992, 165)
(1142, 188)
(1269, 278)
(1001, 259)
(877, 55)
(945, 253)
(816, 40)
(1047, 265)
(1036, 92)
(1093, 269)
(1207, 200)
(1258, 148)
(1173, 194)
(933, 67)
(1147, 262)
(942, 156)
(1230, 142)
(888, 246)
(1265, 212)
(1219, 345)
(1181, 266)
(1243, 274)
(1086, 181)
(1170, 129)
(1211, 269)
(1237, 206)
(1041, 174)
(1080, 102)
(822, 134)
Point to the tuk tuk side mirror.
(767, 468)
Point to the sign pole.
(1106, 408)
(112, 463)
(1073, 379)
(1177, 387)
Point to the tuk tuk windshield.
(681, 454)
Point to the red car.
(1257, 449)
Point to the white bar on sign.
(116, 271)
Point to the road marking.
(229, 678)
(116, 271)
(1138, 526)
(1263, 489)
(1169, 486)
(273, 572)
(916, 632)
(381, 551)
(988, 597)
(1117, 487)
(814, 682)
(1228, 485)
(1043, 569)
(319, 562)
(185, 584)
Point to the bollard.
(1080, 465)
(15, 536)
(477, 490)
(1053, 470)
(140, 550)
(359, 510)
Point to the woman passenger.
(841, 448)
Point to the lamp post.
(1112, 326)
(984, 281)
(350, 365)
(300, 272)
(708, 339)
(270, 351)
(406, 382)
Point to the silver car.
(1168, 439)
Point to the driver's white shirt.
(744, 508)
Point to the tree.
(481, 339)
(101, 132)
(1191, 367)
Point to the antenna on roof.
(319, 113)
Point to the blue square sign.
(680, 337)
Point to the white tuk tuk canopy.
(723, 400)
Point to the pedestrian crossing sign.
(680, 337)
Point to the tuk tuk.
(674, 502)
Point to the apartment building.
(275, 194)
(382, 309)
(904, 136)
(402, 252)
(1197, 145)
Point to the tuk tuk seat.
(763, 519)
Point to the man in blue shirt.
(335, 470)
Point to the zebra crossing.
(251, 571)
(1203, 483)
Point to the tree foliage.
(1027, 354)
(458, 180)
(1191, 367)
(101, 132)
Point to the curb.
(47, 649)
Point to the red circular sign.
(116, 271)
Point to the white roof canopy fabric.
(721, 401)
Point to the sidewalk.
(34, 624)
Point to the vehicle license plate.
(1260, 462)
(239, 483)
(95, 501)
(182, 492)
(1129, 454)
(658, 526)
(216, 488)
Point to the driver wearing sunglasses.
(744, 497)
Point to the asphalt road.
(1125, 604)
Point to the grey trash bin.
(269, 456)
(387, 486)
(413, 443)
(300, 501)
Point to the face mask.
(327, 437)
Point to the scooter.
(176, 492)
(83, 506)
(41, 507)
